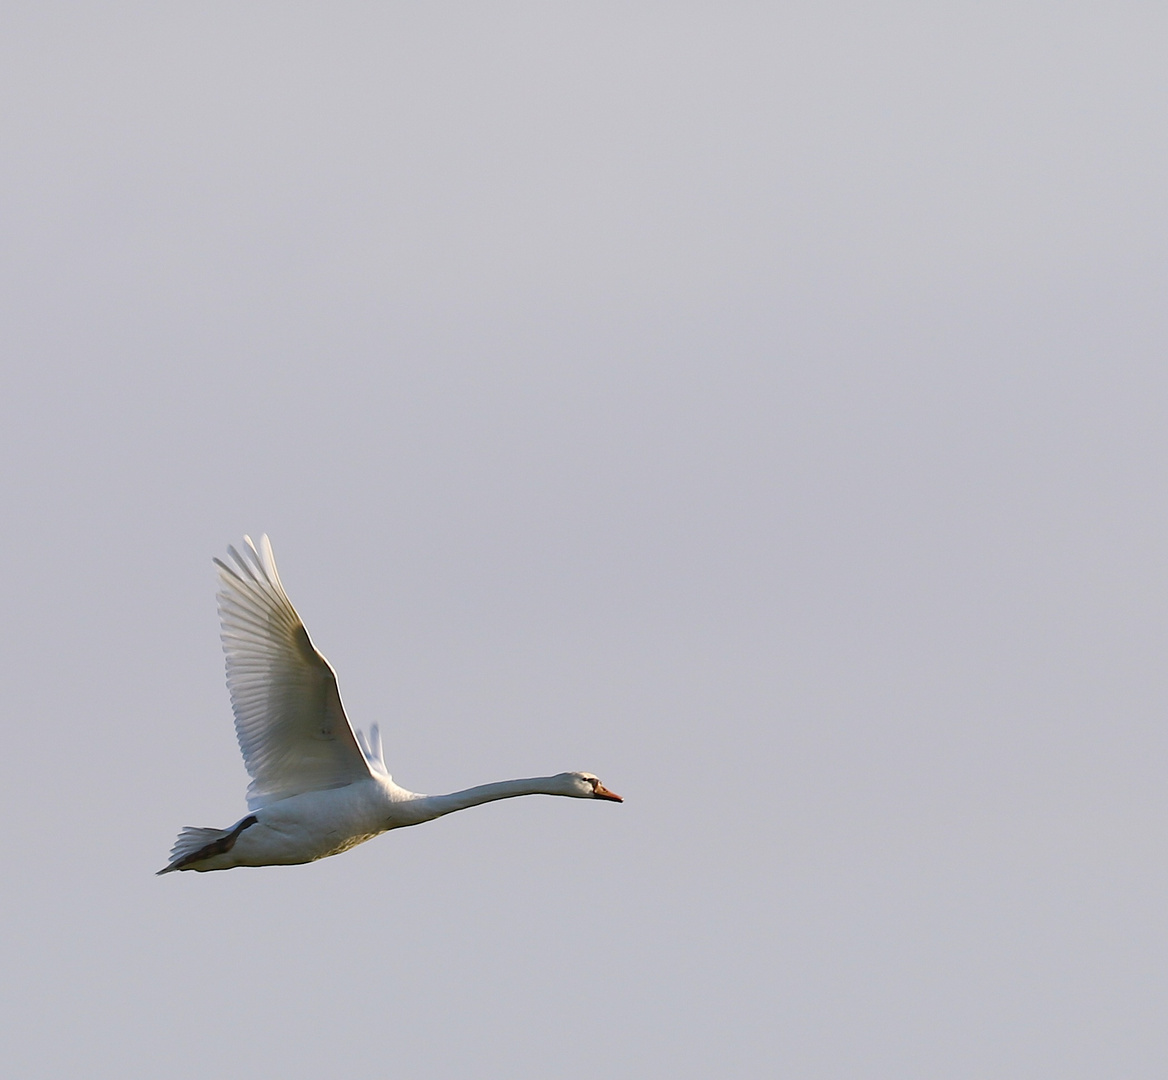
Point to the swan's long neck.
(432, 806)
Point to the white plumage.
(318, 787)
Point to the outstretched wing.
(291, 725)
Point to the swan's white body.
(318, 788)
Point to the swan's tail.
(193, 845)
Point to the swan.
(318, 786)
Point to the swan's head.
(582, 785)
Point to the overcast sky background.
(763, 408)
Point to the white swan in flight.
(318, 788)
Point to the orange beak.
(603, 793)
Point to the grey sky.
(764, 410)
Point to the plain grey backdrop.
(761, 406)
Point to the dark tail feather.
(194, 845)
